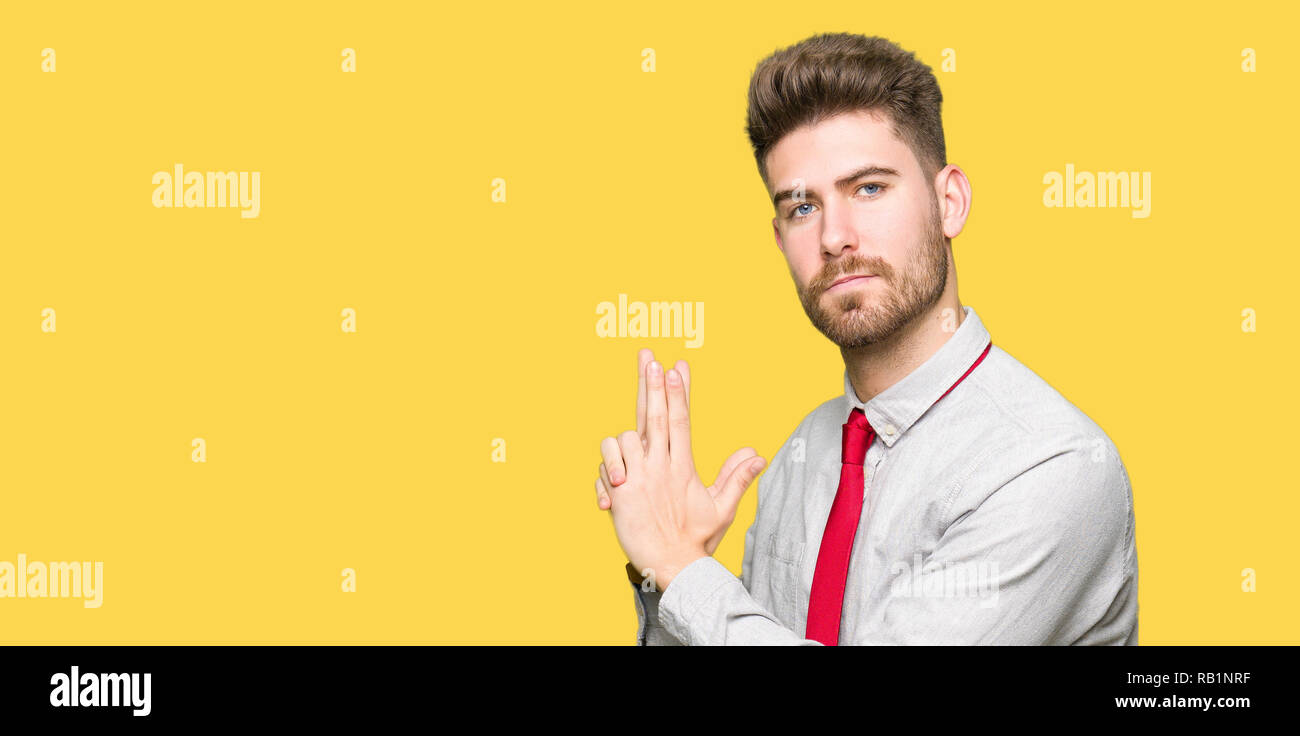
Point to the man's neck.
(875, 367)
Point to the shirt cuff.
(690, 591)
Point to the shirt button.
(890, 430)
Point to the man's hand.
(664, 515)
(612, 471)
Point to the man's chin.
(844, 330)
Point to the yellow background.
(476, 319)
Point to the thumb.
(737, 483)
(737, 459)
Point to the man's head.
(848, 137)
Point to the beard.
(857, 317)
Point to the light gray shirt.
(1000, 515)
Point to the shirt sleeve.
(1049, 551)
(1046, 558)
(707, 605)
(649, 631)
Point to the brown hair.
(833, 73)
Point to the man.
(950, 495)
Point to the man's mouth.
(851, 278)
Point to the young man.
(950, 495)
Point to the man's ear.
(777, 232)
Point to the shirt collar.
(897, 408)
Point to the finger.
(656, 412)
(633, 454)
(602, 494)
(679, 422)
(736, 485)
(643, 357)
(685, 370)
(729, 467)
(605, 499)
(613, 461)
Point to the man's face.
(850, 221)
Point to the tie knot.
(858, 435)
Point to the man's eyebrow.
(843, 181)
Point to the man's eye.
(798, 213)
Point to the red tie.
(827, 599)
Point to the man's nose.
(837, 229)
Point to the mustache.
(846, 267)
